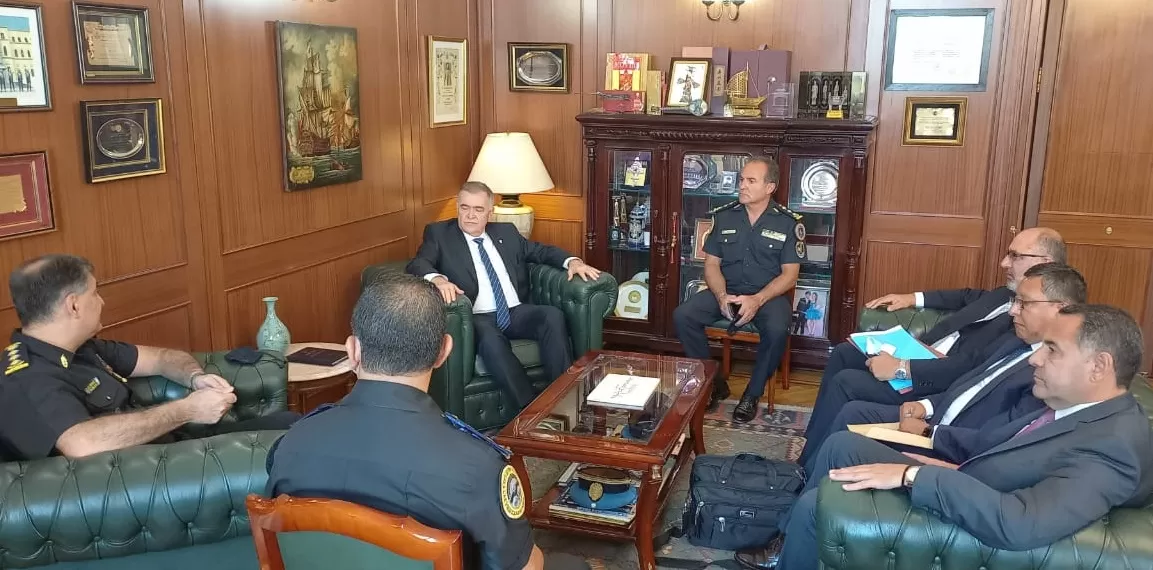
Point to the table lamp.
(510, 165)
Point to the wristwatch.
(902, 372)
(910, 476)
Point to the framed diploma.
(113, 44)
(935, 121)
(938, 50)
(25, 198)
(122, 139)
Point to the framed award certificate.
(935, 121)
(113, 44)
(122, 139)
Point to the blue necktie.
(502, 317)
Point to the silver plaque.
(819, 185)
(120, 138)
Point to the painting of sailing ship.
(320, 104)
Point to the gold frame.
(431, 84)
(144, 72)
(706, 84)
(88, 109)
(530, 47)
(960, 104)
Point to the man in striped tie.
(488, 263)
(1031, 482)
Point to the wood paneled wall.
(184, 258)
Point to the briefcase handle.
(727, 470)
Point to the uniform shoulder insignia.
(787, 212)
(512, 499)
(728, 206)
(457, 423)
(15, 358)
(319, 409)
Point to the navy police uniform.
(751, 256)
(387, 446)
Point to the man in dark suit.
(488, 263)
(995, 392)
(1028, 483)
(964, 338)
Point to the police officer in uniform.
(389, 447)
(63, 390)
(753, 256)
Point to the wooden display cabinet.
(652, 180)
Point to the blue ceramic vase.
(273, 335)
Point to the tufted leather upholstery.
(147, 498)
(916, 321)
(459, 387)
(867, 530)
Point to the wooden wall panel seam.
(149, 314)
(309, 233)
(309, 265)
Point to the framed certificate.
(938, 50)
(935, 121)
(122, 139)
(113, 44)
(25, 198)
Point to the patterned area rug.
(778, 436)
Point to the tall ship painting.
(320, 107)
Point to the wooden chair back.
(402, 536)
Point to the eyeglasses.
(1023, 303)
(1014, 256)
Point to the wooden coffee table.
(577, 432)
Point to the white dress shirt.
(946, 344)
(1072, 409)
(485, 300)
(996, 370)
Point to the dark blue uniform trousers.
(843, 449)
(771, 321)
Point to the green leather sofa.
(464, 388)
(871, 530)
(172, 507)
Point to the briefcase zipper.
(722, 521)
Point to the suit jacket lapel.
(458, 249)
(977, 374)
(996, 382)
(978, 310)
(1061, 426)
(507, 255)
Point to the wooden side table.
(310, 386)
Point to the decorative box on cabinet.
(652, 179)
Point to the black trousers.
(844, 449)
(543, 323)
(771, 322)
(272, 422)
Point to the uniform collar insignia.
(47, 350)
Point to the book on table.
(623, 391)
(891, 432)
(317, 356)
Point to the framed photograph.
(938, 50)
(25, 196)
(447, 81)
(935, 121)
(318, 77)
(553, 422)
(688, 81)
(113, 44)
(538, 67)
(23, 67)
(122, 139)
(700, 234)
(810, 312)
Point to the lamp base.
(510, 209)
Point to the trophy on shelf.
(740, 104)
(617, 232)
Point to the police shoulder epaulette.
(728, 206)
(788, 212)
(16, 358)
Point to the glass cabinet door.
(630, 231)
(708, 181)
(813, 184)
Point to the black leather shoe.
(720, 392)
(761, 559)
(745, 411)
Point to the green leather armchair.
(464, 388)
(142, 506)
(866, 530)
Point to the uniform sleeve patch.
(512, 499)
(800, 232)
(801, 249)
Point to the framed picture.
(23, 67)
(935, 121)
(553, 422)
(810, 311)
(447, 81)
(25, 196)
(688, 81)
(319, 84)
(700, 234)
(113, 44)
(938, 50)
(122, 139)
(538, 67)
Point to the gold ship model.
(740, 103)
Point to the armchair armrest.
(448, 381)
(916, 321)
(261, 388)
(585, 303)
(864, 530)
(143, 499)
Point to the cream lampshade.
(510, 165)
